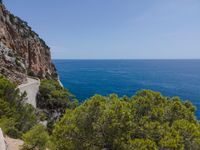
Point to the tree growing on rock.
(36, 138)
(54, 100)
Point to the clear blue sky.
(114, 29)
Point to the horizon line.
(125, 59)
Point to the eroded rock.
(22, 51)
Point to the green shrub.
(147, 121)
(14, 133)
(35, 139)
(141, 144)
(8, 126)
(54, 99)
(8, 91)
(6, 109)
(16, 117)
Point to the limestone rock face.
(22, 51)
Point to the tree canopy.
(53, 99)
(36, 138)
(146, 121)
(16, 117)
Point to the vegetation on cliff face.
(147, 121)
(16, 117)
(21, 120)
(53, 99)
(36, 139)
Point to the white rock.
(2, 141)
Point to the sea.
(85, 78)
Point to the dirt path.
(13, 144)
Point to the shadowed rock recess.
(22, 51)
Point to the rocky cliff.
(22, 51)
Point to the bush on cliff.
(16, 117)
(54, 100)
(147, 121)
(35, 139)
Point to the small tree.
(35, 139)
(14, 110)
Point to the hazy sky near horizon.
(114, 29)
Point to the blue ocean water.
(84, 78)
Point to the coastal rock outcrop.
(22, 51)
